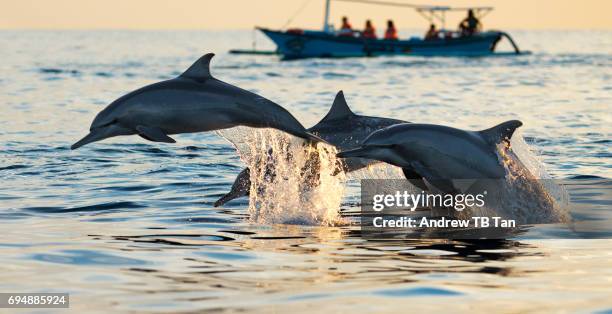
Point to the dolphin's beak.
(224, 199)
(94, 135)
(97, 134)
(357, 152)
(101, 133)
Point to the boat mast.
(326, 19)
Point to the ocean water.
(128, 225)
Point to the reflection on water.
(189, 264)
(129, 225)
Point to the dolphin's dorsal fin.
(339, 109)
(200, 69)
(500, 132)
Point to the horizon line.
(254, 28)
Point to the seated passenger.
(346, 29)
(432, 32)
(369, 32)
(470, 25)
(391, 33)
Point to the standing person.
(391, 32)
(369, 31)
(346, 29)
(470, 25)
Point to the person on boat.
(369, 32)
(346, 29)
(470, 25)
(432, 32)
(391, 32)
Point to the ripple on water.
(86, 257)
(227, 256)
(176, 239)
(129, 188)
(417, 292)
(91, 208)
(432, 253)
(11, 167)
(59, 71)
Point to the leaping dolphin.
(436, 153)
(341, 128)
(192, 102)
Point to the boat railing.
(443, 34)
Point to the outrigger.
(326, 43)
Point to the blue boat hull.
(316, 44)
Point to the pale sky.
(244, 14)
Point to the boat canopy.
(429, 12)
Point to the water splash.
(292, 181)
(529, 156)
(379, 170)
(529, 194)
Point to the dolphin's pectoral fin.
(442, 184)
(500, 132)
(415, 178)
(154, 134)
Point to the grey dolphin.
(341, 128)
(192, 102)
(438, 153)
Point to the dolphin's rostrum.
(192, 102)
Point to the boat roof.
(445, 8)
(421, 7)
(429, 12)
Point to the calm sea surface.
(128, 225)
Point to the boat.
(327, 43)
